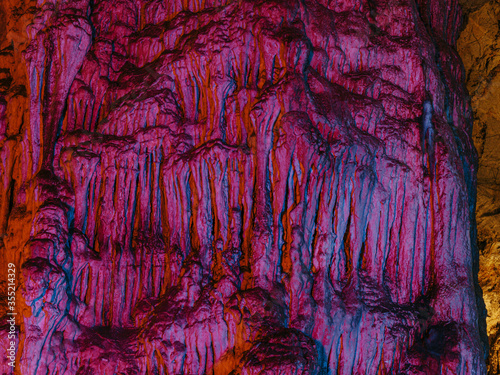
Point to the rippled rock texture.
(239, 187)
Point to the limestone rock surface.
(478, 46)
(239, 187)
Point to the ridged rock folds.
(232, 187)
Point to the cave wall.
(478, 47)
(239, 187)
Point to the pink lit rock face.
(240, 187)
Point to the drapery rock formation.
(239, 187)
(478, 46)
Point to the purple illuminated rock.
(240, 187)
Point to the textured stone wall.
(239, 187)
(478, 46)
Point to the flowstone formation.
(239, 187)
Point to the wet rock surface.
(239, 187)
